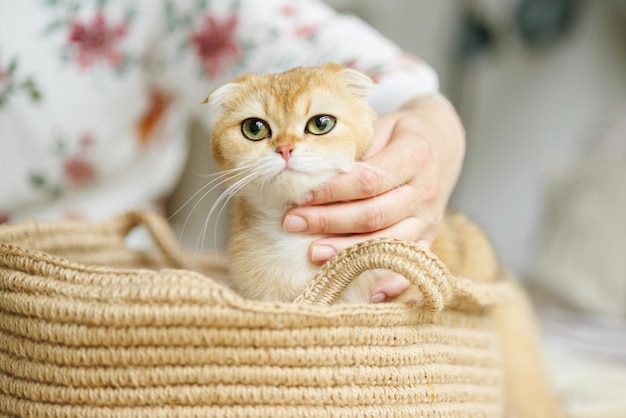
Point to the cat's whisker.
(221, 178)
(222, 200)
(264, 181)
(220, 173)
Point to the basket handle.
(420, 266)
(159, 230)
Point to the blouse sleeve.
(95, 96)
(314, 34)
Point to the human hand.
(401, 189)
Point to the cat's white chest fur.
(267, 262)
(275, 265)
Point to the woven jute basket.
(92, 328)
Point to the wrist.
(437, 123)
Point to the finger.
(397, 164)
(388, 286)
(410, 229)
(355, 217)
(363, 180)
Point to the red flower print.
(97, 40)
(79, 170)
(86, 141)
(307, 31)
(215, 44)
(289, 10)
(4, 85)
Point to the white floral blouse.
(96, 95)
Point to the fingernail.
(321, 253)
(378, 298)
(294, 223)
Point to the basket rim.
(203, 286)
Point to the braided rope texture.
(91, 328)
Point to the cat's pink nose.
(285, 151)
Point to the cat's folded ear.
(216, 100)
(361, 83)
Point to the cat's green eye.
(320, 124)
(255, 129)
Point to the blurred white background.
(527, 108)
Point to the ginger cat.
(278, 137)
